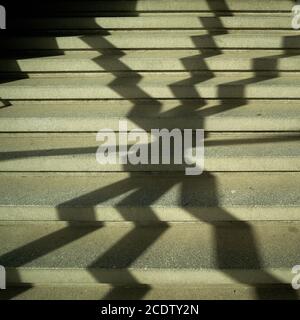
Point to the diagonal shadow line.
(14, 66)
(217, 233)
(133, 234)
(10, 155)
(228, 258)
(115, 86)
(131, 244)
(26, 254)
(132, 238)
(128, 248)
(250, 239)
(229, 239)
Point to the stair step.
(155, 60)
(179, 39)
(149, 198)
(77, 152)
(108, 292)
(211, 115)
(159, 21)
(72, 228)
(154, 86)
(181, 254)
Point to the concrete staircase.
(71, 228)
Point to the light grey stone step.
(160, 21)
(211, 115)
(155, 60)
(67, 222)
(107, 292)
(154, 86)
(149, 198)
(77, 152)
(183, 254)
(159, 39)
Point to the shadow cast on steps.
(225, 242)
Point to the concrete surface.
(182, 254)
(166, 21)
(173, 6)
(71, 228)
(148, 198)
(156, 60)
(177, 39)
(77, 152)
(103, 292)
(153, 86)
(211, 115)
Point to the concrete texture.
(172, 6)
(154, 86)
(71, 228)
(103, 292)
(177, 39)
(167, 21)
(156, 60)
(148, 198)
(211, 115)
(77, 152)
(182, 254)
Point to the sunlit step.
(77, 152)
(149, 197)
(159, 39)
(104, 291)
(183, 254)
(211, 115)
(154, 86)
(155, 60)
(159, 21)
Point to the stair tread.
(163, 21)
(71, 68)
(77, 152)
(143, 86)
(106, 292)
(213, 115)
(158, 60)
(149, 197)
(160, 39)
(193, 253)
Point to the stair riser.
(165, 277)
(196, 21)
(84, 124)
(230, 67)
(89, 164)
(102, 292)
(111, 214)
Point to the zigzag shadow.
(130, 242)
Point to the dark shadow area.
(228, 240)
